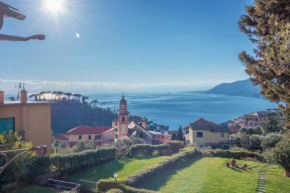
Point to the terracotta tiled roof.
(60, 136)
(233, 128)
(136, 119)
(186, 128)
(202, 124)
(87, 130)
(203, 121)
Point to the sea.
(180, 109)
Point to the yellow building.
(206, 133)
(32, 120)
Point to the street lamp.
(9, 11)
(41, 150)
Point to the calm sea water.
(183, 108)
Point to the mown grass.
(123, 168)
(32, 189)
(206, 175)
(276, 182)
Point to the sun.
(54, 5)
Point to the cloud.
(35, 86)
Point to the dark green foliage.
(160, 166)
(250, 142)
(236, 154)
(267, 26)
(68, 114)
(89, 157)
(270, 140)
(106, 185)
(272, 125)
(179, 134)
(280, 154)
(146, 149)
(38, 166)
(173, 136)
(175, 145)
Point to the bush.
(235, 154)
(89, 157)
(38, 166)
(146, 149)
(106, 185)
(115, 191)
(281, 153)
(270, 140)
(162, 165)
(175, 145)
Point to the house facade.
(31, 120)
(206, 133)
(159, 138)
(99, 134)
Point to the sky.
(110, 46)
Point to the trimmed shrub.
(175, 145)
(38, 166)
(106, 185)
(146, 149)
(76, 160)
(162, 165)
(115, 191)
(235, 154)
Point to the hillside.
(238, 88)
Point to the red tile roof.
(87, 130)
(186, 128)
(60, 136)
(203, 121)
(233, 129)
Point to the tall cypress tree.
(179, 134)
(267, 25)
(173, 136)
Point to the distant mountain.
(238, 88)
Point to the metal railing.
(63, 185)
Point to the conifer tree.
(173, 136)
(267, 25)
(179, 134)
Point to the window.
(97, 137)
(123, 119)
(116, 123)
(222, 134)
(90, 137)
(162, 136)
(116, 136)
(256, 124)
(80, 137)
(7, 125)
(250, 124)
(116, 129)
(199, 134)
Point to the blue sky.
(130, 45)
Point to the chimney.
(1, 97)
(23, 97)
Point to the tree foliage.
(67, 114)
(268, 27)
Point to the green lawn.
(32, 189)
(209, 175)
(123, 168)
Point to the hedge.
(235, 154)
(146, 149)
(115, 191)
(70, 162)
(162, 165)
(106, 185)
(175, 145)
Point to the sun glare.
(54, 5)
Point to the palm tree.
(68, 95)
(76, 96)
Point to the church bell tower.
(122, 118)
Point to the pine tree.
(141, 135)
(267, 26)
(179, 134)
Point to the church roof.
(123, 101)
(136, 119)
